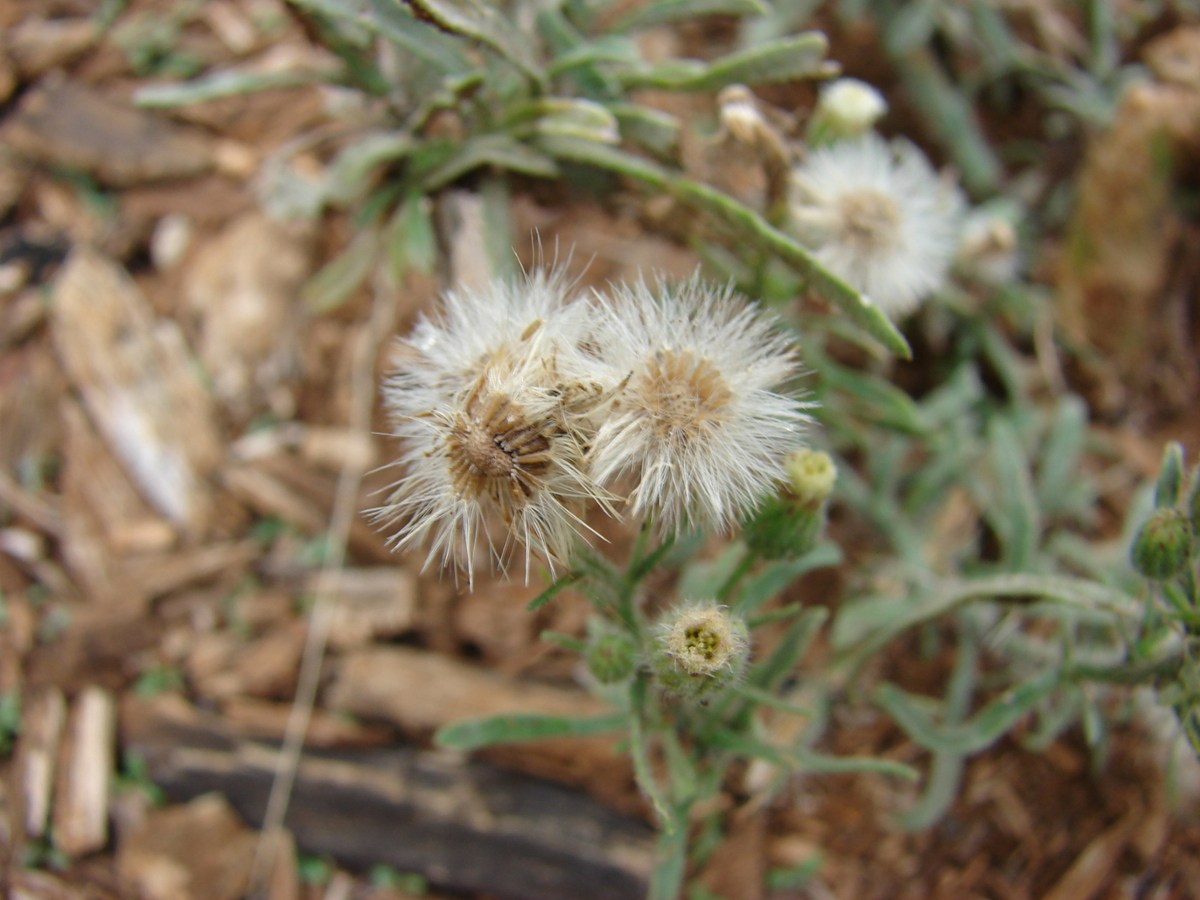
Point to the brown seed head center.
(683, 392)
(496, 451)
(869, 221)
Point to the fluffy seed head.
(878, 215)
(700, 429)
(494, 403)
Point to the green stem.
(744, 565)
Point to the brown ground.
(174, 424)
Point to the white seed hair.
(877, 214)
(493, 401)
(700, 429)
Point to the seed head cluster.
(520, 406)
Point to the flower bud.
(846, 108)
(783, 529)
(611, 654)
(700, 649)
(1163, 545)
(811, 475)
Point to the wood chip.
(197, 851)
(37, 755)
(1092, 869)
(63, 123)
(241, 288)
(85, 774)
(138, 386)
(38, 45)
(421, 691)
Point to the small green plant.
(683, 407)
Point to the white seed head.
(700, 429)
(878, 215)
(494, 402)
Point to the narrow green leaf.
(768, 673)
(224, 83)
(785, 59)
(394, 22)
(334, 282)
(499, 150)
(559, 585)
(941, 790)
(639, 749)
(484, 23)
(348, 173)
(979, 732)
(651, 129)
(1058, 468)
(566, 641)
(907, 612)
(778, 575)
(1013, 510)
(670, 862)
(660, 12)
(411, 237)
(474, 733)
(825, 764)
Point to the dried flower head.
(494, 402)
(878, 215)
(700, 430)
(700, 648)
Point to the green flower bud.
(1163, 545)
(611, 655)
(783, 529)
(787, 525)
(699, 650)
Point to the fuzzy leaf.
(1013, 510)
(334, 282)
(778, 575)
(474, 733)
(484, 23)
(768, 673)
(785, 59)
(660, 12)
(499, 150)
(223, 83)
(981, 730)
(350, 170)
(651, 129)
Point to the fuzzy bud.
(611, 655)
(699, 650)
(846, 108)
(1163, 545)
(811, 475)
